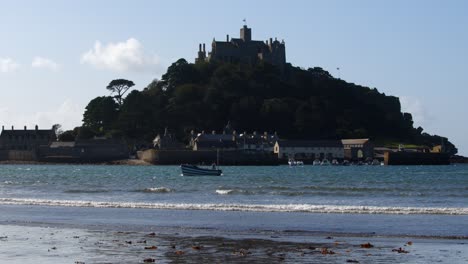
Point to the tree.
(57, 128)
(298, 103)
(67, 136)
(119, 86)
(100, 114)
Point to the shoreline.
(138, 162)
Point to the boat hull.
(191, 170)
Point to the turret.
(246, 33)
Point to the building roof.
(310, 143)
(357, 141)
(22, 132)
(214, 137)
(60, 144)
(216, 144)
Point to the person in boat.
(213, 166)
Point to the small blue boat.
(192, 170)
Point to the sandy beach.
(55, 244)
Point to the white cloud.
(44, 63)
(416, 108)
(122, 56)
(68, 114)
(8, 65)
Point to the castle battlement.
(245, 50)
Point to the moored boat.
(293, 162)
(192, 170)
(325, 162)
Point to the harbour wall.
(416, 158)
(235, 157)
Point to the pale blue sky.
(417, 50)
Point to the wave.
(157, 190)
(302, 208)
(233, 191)
(224, 192)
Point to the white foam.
(305, 208)
(224, 192)
(158, 190)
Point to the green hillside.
(297, 103)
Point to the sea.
(423, 201)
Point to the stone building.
(167, 141)
(26, 139)
(309, 149)
(245, 50)
(89, 150)
(213, 141)
(358, 149)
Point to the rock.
(149, 260)
(197, 247)
(179, 252)
(367, 245)
(400, 250)
(326, 251)
(352, 261)
(152, 247)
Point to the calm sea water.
(300, 204)
(353, 189)
(362, 200)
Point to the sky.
(55, 56)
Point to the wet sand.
(46, 244)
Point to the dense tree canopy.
(296, 103)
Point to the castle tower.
(246, 33)
(201, 53)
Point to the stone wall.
(416, 158)
(177, 157)
(21, 155)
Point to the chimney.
(37, 127)
(204, 48)
(25, 128)
(12, 128)
(3, 128)
(271, 41)
(199, 47)
(227, 38)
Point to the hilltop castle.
(245, 50)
